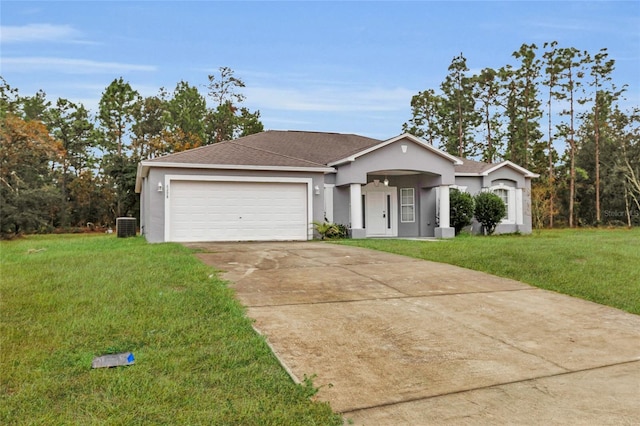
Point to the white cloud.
(39, 33)
(69, 66)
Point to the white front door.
(376, 213)
(380, 211)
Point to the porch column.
(356, 211)
(519, 205)
(444, 230)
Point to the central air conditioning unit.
(126, 227)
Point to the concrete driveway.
(398, 341)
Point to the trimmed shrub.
(461, 207)
(489, 211)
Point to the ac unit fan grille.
(126, 227)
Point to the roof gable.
(380, 145)
(479, 168)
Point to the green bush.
(489, 211)
(461, 208)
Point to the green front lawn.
(67, 299)
(601, 265)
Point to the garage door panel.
(237, 211)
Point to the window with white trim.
(504, 196)
(508, 196)
(407, 205)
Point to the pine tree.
(457, 114)
(570, 75)
(424, 121)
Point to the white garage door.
(237, 211)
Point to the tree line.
(555, 111)
(63, 167)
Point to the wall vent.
(126, 227)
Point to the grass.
(600, 265)
(66, 299)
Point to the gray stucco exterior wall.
(391, 157)
(510, 178)
(341, 205)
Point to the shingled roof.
(276, 148)
(297, 149)
(472, 166)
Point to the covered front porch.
(399, 188)
(400, 203)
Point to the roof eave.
(143, 171)
(342, 161)
(319, 169)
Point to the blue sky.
(347, 67)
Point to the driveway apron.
(392, 340)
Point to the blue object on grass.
(113, 360)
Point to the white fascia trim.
(140, 174)
(148, 164)
(412, 138)
(275, 179)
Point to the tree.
(524, 110)
(570, 73)
(249, 122)
(552, 72)
(27, 194)
(116, 113)
(8, 99)
(35, 107)
(188, 115)
(486, 91)
(461, 207)
(489, 211)
(223, 91)
(69, 124)
(603, 98)
(227, 120)
(223, 88)
(457, 115)
(122, 173)
(542, 210)
(626, 135)
(424, 121)
(149, 115)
